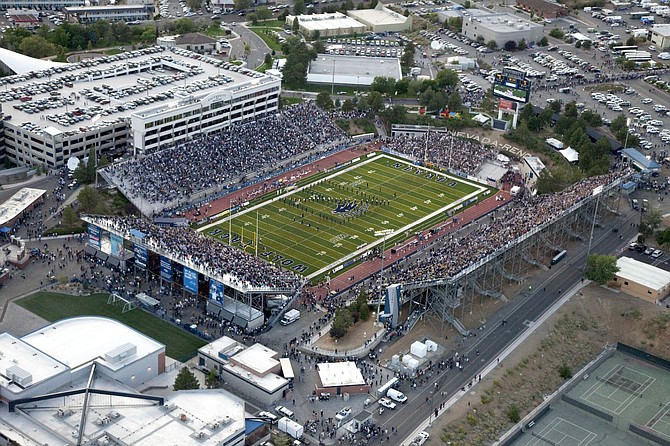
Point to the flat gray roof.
(502, 22)
(353, 70)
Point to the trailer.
(290, 427)
(290, 317)
(555, 143)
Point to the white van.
(284, 412)
(396, 395)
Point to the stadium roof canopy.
(21, 64)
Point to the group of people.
(509, 223)
(217, 259)
(443, 149)
(213, 162)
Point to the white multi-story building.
(39, 4)
(123, 13)
(139, 101)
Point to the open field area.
(179, 344)
(334, 219)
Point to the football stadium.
(325, 223)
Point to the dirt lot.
(571, 337)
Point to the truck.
(290, 427)
(396, 395)
(290, 317)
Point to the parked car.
(387, 403)
(657, 253)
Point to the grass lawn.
(269, 39)
(179, 344)
(329, 221)
(271, 24)
(113, 51)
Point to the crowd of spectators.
(509, 223)
(214, 161)
(216, 259)
(447, 151)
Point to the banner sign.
(190, 280)
(215, 290)
(166, 269)
(141, 256)
(116, 243)
(94, 235)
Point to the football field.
(335, 218)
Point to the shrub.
(513, 414)
(565, 372)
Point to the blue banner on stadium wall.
(94, 235)
(141, 256)
(215, 290)
(166, 269)
(190, 280)
(116, 243)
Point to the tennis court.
(561, 432)
(617, 389)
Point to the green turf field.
(179, 344)
(319, 225)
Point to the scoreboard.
(512, 84)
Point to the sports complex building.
(137, 102)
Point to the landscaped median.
(179, 344)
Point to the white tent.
(436, 45)
(570, 154)
(21, 64)
(479, 118)
(73, 163)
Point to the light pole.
(597, 191)
(382, 233)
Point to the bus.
(287, 371)
(558, 257)
(621, 49)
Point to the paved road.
(525, 309)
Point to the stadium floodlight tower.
(382, 233)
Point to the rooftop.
(315, 22)
(643, 273)
(352, 70)
(106, 341)
(378, 16)
(99, 92)
(194, 39)
(14, 353)
(500, 22)
(534, 163)
(18, 202)
(89, 9)
(336, 374)
(257, 358)
(640, 158)
(270, 382)
(661, 30)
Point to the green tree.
(467, 4)
(211, 380)
(263, 13)
(184, 26)
(296, 26)
(455, 102)
(543, 41)
(521, 45)
(89, 199)
(185, 380)
(37, 47)
(298, 7)
(556, 33)
(662, 237)
(592, 118)
(578, 44)
(375, 101)
(601, 268)
(383, 84)
(513, 414)
(407, 59)
(341, 323)
(446, 79)
(586, 44)
(324, 101)
(348, 105)
(195, 5)
(630, 41)
(629, 65)
(492, 44)
(268, 60)
(298, 56)
(571, 109)
(402, 86)
(69, 217)
(653, 218)
(510, 45)
(565, 372)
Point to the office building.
(123, 13)
(327, 25)
(484, 26)
(381, 19)
(660, 36)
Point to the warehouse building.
(122, 13)
(660, 36)
(140, 101)
(642, 280)
(250, 371)
(500, 27)
(352, 70)
(381, 19)
(327, 25)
